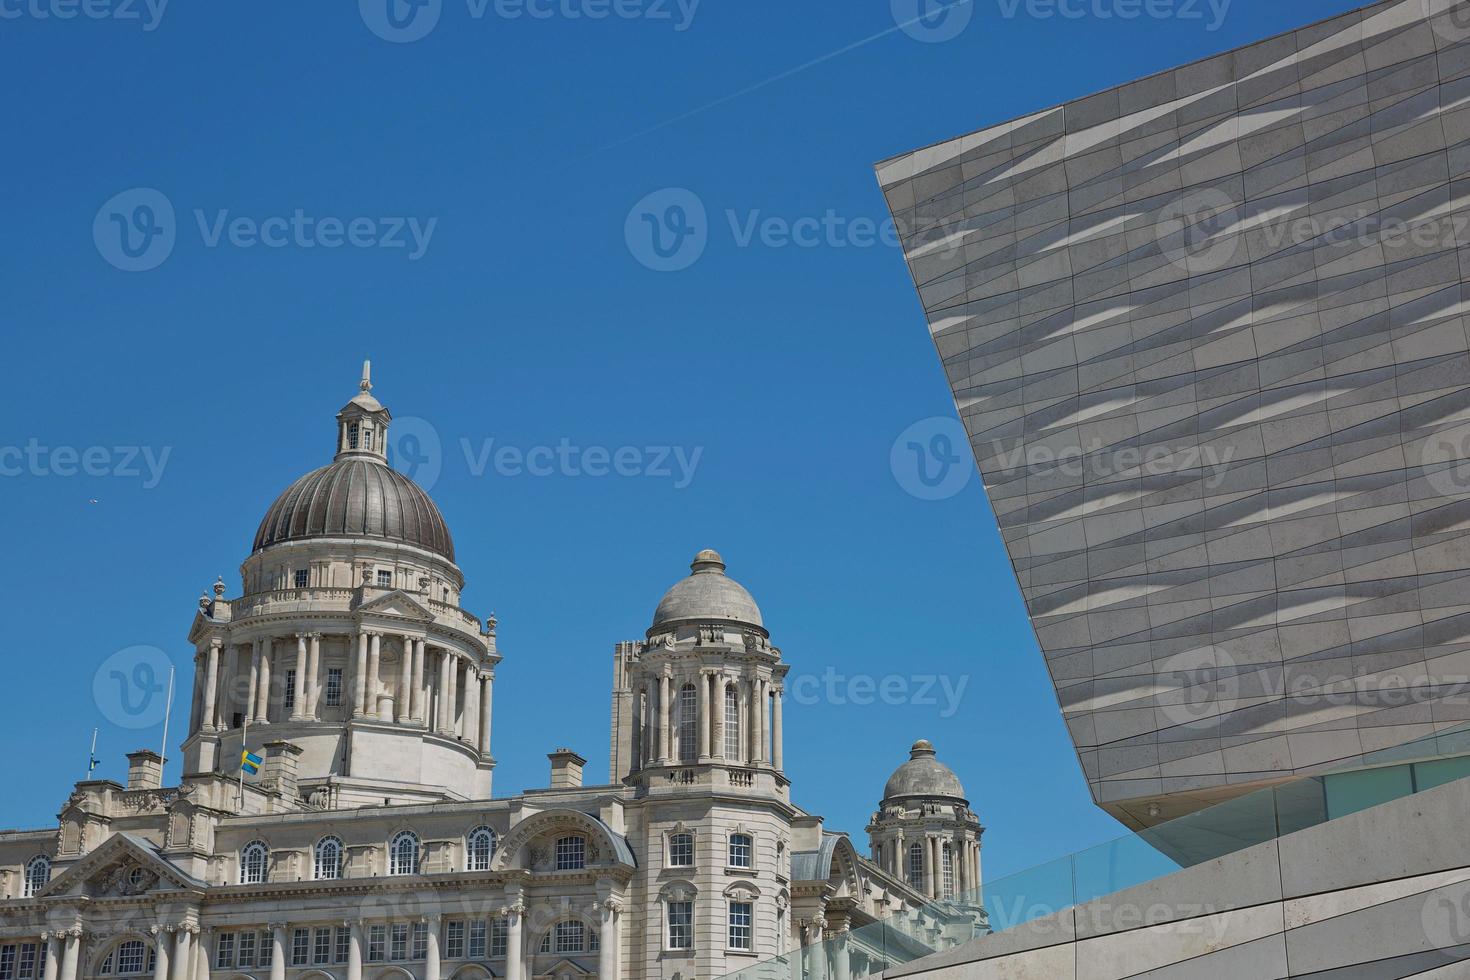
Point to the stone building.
(369, 843)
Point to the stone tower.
(925, 833)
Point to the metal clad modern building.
(1206, 333)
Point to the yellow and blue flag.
(249, 763)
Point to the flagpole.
(244, 747)
(168, 707)
(92, 755)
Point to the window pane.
(1349, 792)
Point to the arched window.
(254, 863)
(479, 847)
(688, 723)
(740, 850)
(947, 863)
(38, 873)
(732, 724)
(569, 936)
(403, 853)
(916, 866)
(571, 853)
(328, 863)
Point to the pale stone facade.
(369, 843)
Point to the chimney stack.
(566, 769)
(145, 770)
(281, 763)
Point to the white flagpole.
(92, 755)
(244, 747)
(168, 707)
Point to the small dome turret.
(923, 775)
(707, 595)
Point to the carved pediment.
(397, 605)
(563, 967)
(123, 866)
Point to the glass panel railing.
(1026, 896)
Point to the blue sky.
(464, 208)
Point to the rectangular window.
(740, 845)
(916, 866)
(334, 687)
(28, 961)
(681, 925)
(398, 949)
(353, 429)
(571, 853)
(130, 958)
(681, 851)
(7, 963)
(477, 940)
(740, 921)
(420, 940)
(377, 939)
(570, 937)
(267, 949)
(499, 934)
(385, 578)
(454, 940)
(732, 726)
(301, 578)
(291, 689)
(300, 947)
(246, 958)
(321, 952)
(344, 944)
(224, 951)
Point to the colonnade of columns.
(659, 703)
(431, 687)
(964, 857)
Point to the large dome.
(356, 497)
(708, 594)
(923, 775)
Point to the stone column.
(753, 736)
(298, 691)
(665, 750)
(431, 960)
(263, 696)
(816, 953)
(53, 955)
(211, 686)
(226, 693)
(278, 951)
(354, 950)
(765, 720)
(927, 882)
(441, 723)
(403, 704)
(203, 945)
(607, 956)
(314, 676)
(471, 732)
(183, 950)
(742, 712)
(253, 693)
(375, 665)
(161, 941)
(776, 727)
(359, 678)
(717, 718)
(71, 952)
(703, 716)
(487, 681)
(841, 958)
(453, 699)
(514, 956)
(416, 703)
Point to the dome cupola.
(358, 495)
(708, 595)
(923, 776)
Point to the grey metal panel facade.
(1206, 333)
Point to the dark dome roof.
(356, 497)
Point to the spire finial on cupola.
(362, 425)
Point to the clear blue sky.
(528, 319)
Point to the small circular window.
(136, 877)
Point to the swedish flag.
(249, 763)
